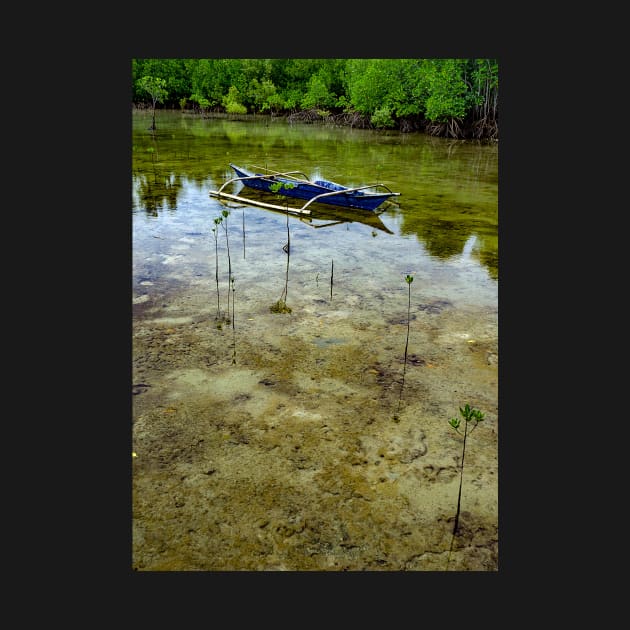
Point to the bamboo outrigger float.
(255, 202)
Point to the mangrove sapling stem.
(233, 297)
(226, 214)
(287, 250)
(408, 280)
(243, 234)
(281, 305)
(332, 271)
(215, 231)
(286, 280)
(233, 326)
(461, 479)
(469, 414)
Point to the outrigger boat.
(297, 185)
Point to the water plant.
(277, 186)
(473, 416)
(280, 307)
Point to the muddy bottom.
(302, 441)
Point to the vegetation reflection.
(448, 188)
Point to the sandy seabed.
(303, 442)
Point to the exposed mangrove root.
(307, 116)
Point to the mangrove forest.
(453, 98)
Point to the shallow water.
(219, 380)
(444, 223)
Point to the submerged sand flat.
(290, 442)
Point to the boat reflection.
(319, 215)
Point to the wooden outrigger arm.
(344, 191)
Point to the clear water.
(444, 225)
(311, 416)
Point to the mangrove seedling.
(226, 214)
(155, 87)
(332, 271)
(408, 280)
(281, 305)
(473, 416)
(233, 327)
(243, 234)
(215, 232)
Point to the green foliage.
(484, 84)
(469, 415)
(277, 186)
(318, 94)
(447, 90)
(256, 69)
(205, 83)
(382, 118)
(274, 103)
(155, 87)
(235, 108)
(291, 98)
(344, 104)
(202, 101)
(232, 103)
(402, 96)
(212, 78)
(365, 85)
(175, 72)
(386, 91)
(384, 88)
(263, 95)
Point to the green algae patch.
(280, 307)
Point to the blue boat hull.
(308, 190)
